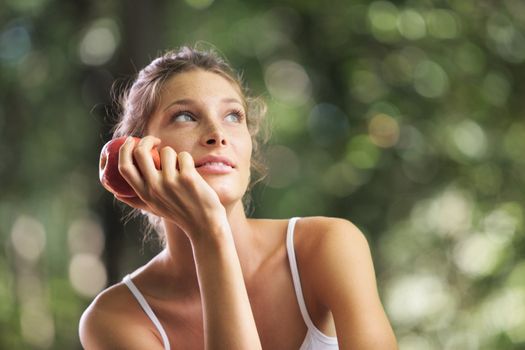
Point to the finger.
(126, 166)
(134, 202)
(144, 160)
(168, 160)
(186, 163)
(150, 139)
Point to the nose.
(214, 136)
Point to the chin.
(229, 193)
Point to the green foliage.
(405, 117)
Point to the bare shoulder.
(102, 317)
(332, 248)
(337, 267)
(112, 321)
(324, 234)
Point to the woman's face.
(202, 113)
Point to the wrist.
(213, 236)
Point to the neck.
(178, 258)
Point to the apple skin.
(109, 174)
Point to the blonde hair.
(138, 102)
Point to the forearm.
(228, 317)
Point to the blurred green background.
(406, 117)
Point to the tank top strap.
(315, 339)
(147, 309)
(295, 273)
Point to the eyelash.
(238, 112)
(181, 112)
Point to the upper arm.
(344, 279)
(101, 329)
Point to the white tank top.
(314, 340)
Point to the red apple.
(108, 168)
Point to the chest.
(274, 306)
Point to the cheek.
(179, 142)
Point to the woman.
(224, 281)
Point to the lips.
(214, 162)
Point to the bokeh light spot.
(411, 24)
(470, 139)
(413, 298)
(502, 223)
(505, 39)
(341, 179)
(86, 236)
(447, 214)
(38, 328)
(288, 82)
(28, 237)
(383, 130)
(99, 42)
(15, 42)
(505, 312)
(442, 24)
(87, 274)
(477, 254)
(430, 80)
(383, 17)
(362, 153)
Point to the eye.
(235, 116)
(182, 117)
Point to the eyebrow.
(189, 101)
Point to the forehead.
(198, 84)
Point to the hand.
(177, 192)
